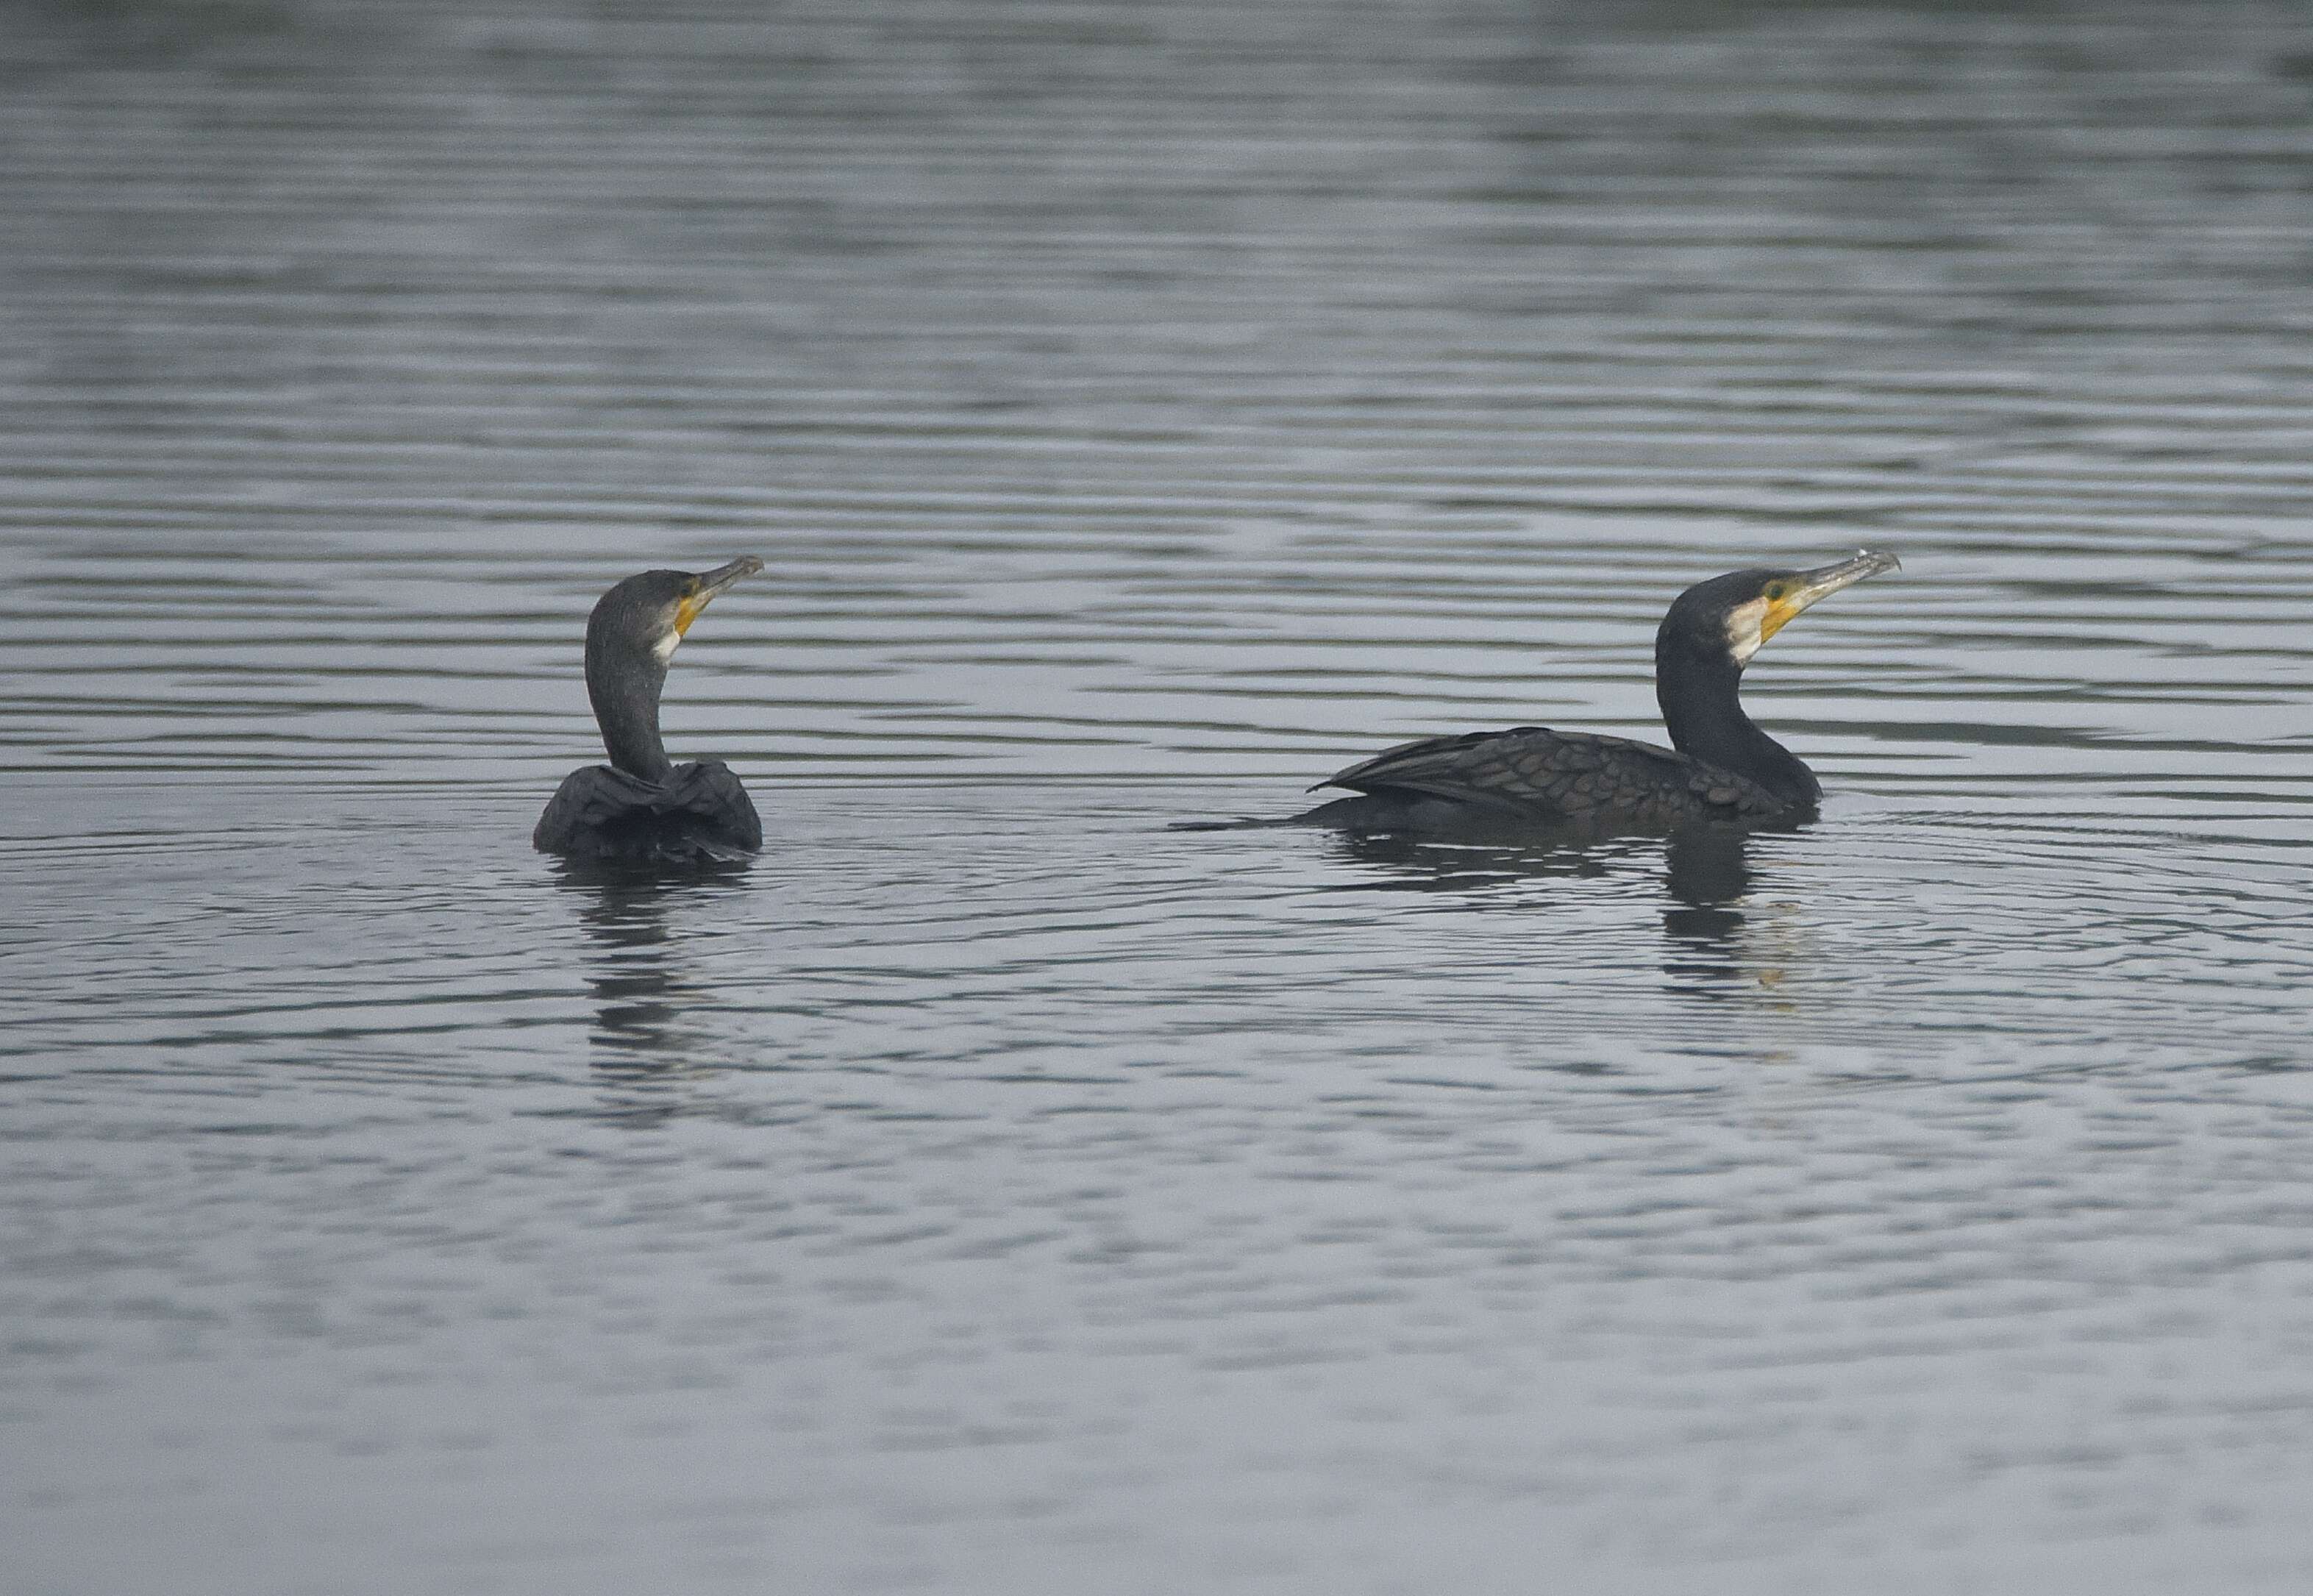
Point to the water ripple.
(1143, 411)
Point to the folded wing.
(1538, 776)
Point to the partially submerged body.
(699, 812)
(1532, 775)
(1722, 768)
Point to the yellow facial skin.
(703, 589)
(686, 611)
(1783, 601)
(1748, 625)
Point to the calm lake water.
(1143, 411)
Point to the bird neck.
(1702, 706)
(624, 692)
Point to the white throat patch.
(664, 649)
(1743, 639)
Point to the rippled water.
(1145, 411)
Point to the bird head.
(1739, 611)
(646, 615)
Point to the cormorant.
(641, 807)
(1531, 778)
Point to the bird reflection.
(1706, 872)
(641, 992)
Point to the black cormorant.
(1529, 778)
(641, 807)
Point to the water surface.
(1144, 411)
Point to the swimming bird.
(1720, 766)
(642, 807)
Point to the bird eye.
(1775, 590)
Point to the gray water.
(1145, 411)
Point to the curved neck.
(624, 692)
(1700, 695)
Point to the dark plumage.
(1722, 768)
(642, 807)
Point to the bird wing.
(1531, 772)
(710, 791)
(591, 800)
(602, 810)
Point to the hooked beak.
(706, 587)
(1807, 586)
